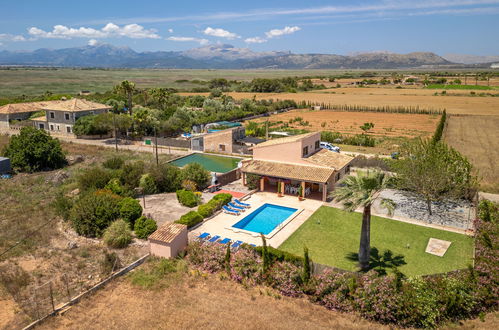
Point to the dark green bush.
(144, 227)
(279, 255)
(223, 198)
(187, 198)
(190, 219)
(166, 177)
(118, 235)
(115, 186)
(34, 150)
(253, 181)
(196, 173)
(437, 136)
(148, 184)
(131, 173)
(488, 211)
(114, 163)
(93, 178)
(207, 209)
(93, 212)
(130, 210)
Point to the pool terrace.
(222, 223)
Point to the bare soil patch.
(199, 301)
(477, 137)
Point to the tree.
(126, 88)
(196, 173)
(366, 127)
(362, 190)
(306, 266)
(435, 171)
(34, 150)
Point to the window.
(92, 112)
(305, 151)
(41, 126)
(317, 144)
(66, 116)
(221, 147)
(68, 129)
(58, 128)
(52, 114)
(51, 127)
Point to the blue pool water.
(265, 219)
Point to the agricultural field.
(385, 124)
(477, 137)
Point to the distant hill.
(471, 59)
(212, 57)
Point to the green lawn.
(330, 234)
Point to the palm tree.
(362, 190)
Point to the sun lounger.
(252, 245)
(224, 241)
(236, 207)
(228, 210)
(237, 244)
(214, 239)
(203, 236)
(238, 202)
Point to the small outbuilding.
(5, 165)
(168, 240)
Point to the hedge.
(223, 197)
(437, 136)
(190, 219)
(144, 227)
(130, 210)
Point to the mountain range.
(218, 56)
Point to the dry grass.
(477, 137)
(385, 124)
(197, 301)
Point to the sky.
(331, 27)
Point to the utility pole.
(156, 145)
(267, 130)
(115, 133)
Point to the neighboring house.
(296, 161)
(228, 141)
(59, 117)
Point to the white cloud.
(170, 30)
(221, 33)
(280, 32)
(11, 37)
(133, 31)
(189, 39)
(255, 40)
(93, 42)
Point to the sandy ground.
(385, 124)
(477, 137)
(199, 302)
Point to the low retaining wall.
(169, 142)
(229, 177)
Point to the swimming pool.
(211, 163)
(265, 219)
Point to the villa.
(294, 162)
(58, 116)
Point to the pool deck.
(217, 225)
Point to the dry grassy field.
(477, 137)
(385, 124)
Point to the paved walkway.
(221, 224)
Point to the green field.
(467, 87)
(331, 234)
(35, 81)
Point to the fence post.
(51, 296)
(66, 280)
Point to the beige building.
(168, 240)
(298, 164)
(228, 141)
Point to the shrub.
(131, 174)
(118, 235)
(148, 184)
(209, 258)
(114, 163)
(130, 210)
(93, 212)
(279, 255)
(253, 181)
(189, 185)
(196, 173)
(167, 177)
(224, 198)
(488, 211)
(144, 227)
(34, 150)
(187, 198)
(109, 262)
(62, 205)
(115, 186)
(93, 178)
(190, 219)
(437, 136)
(206, 210)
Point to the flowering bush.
(286, 277)
(206, 257)
(335, 290)
(246, 266)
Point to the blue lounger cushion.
(237, 244)
(224, 241)
(229, 210)
(214, 239)
(237, 207)
(203, 235)
(241, 203)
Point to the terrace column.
(262, 184)
(244, 179)
(283, 187)
(303, 189)
(324, 192)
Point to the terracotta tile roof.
(287, 139)
(75, 105)
(289, 171)
(167, 232)
(27, 106)
(329, 158)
